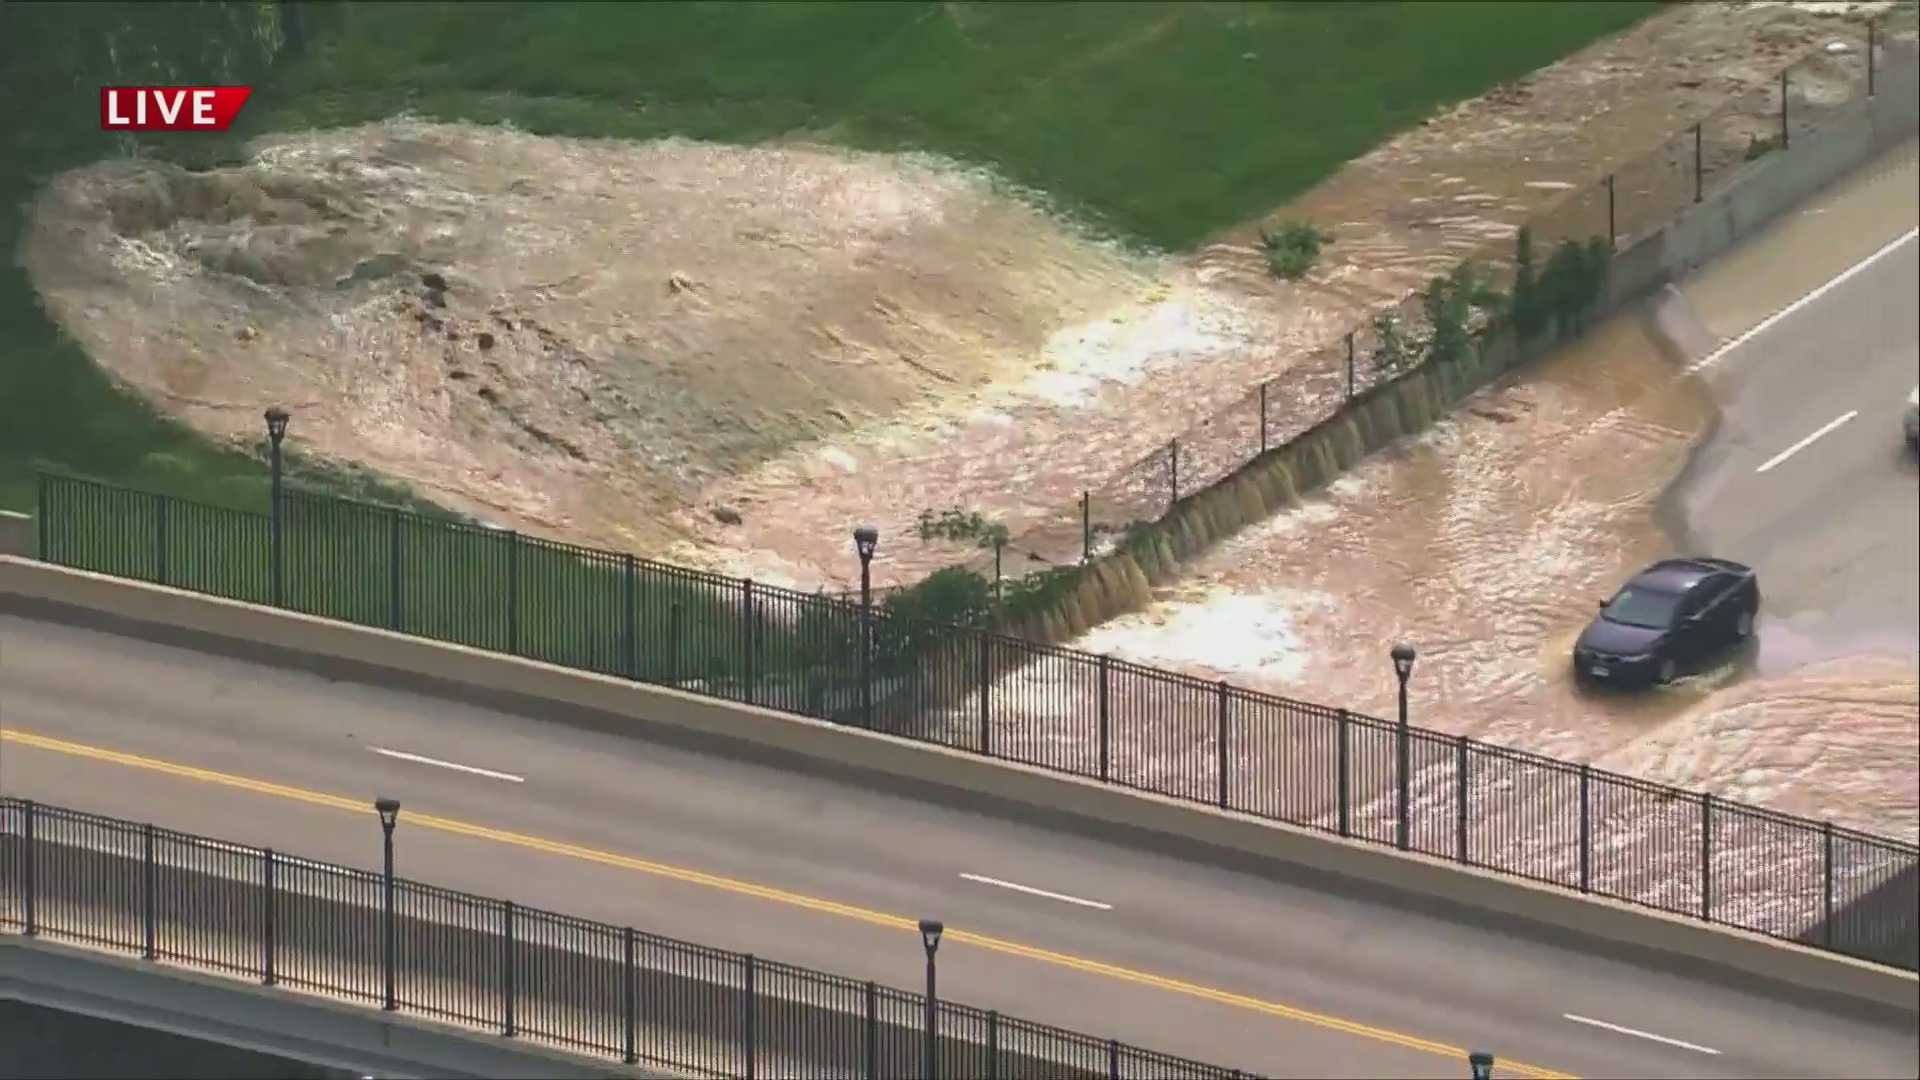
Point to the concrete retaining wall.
(1772, 185)
(559, 695)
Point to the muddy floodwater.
(1487, 542)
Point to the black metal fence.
(1356, 776)
(589, 987)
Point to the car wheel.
(1666, 672)
(1743, 626)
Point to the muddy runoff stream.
(1486, 542)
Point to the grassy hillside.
(1166, 120)
(1159, 121)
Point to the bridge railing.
(590, 987)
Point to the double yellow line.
(779, 896)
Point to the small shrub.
(1291, 251)
(1759, 146)
(958, 524)
(952, 595)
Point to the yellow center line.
(780, 896)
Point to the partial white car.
(1913, 419)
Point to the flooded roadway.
(1487, 541)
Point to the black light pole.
(865, 539)
(1403, 666)
(276, 431)
(389, 817)
(930, 930)
(1482, 1063)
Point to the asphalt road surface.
(1283, 977)
(1808, 478)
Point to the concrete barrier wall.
(16, 534)
(691, 1010)
(559, 695)
(204, 1006)
(1770, 186)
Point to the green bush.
(953, 595)
(1562, 294)
(1291, 251)
(958, 524)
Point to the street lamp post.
(277, 418)
(389, 810)
(930, 931)
(1403, 667)
(865, 539)
(1482, 1064)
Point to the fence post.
(1263, 418)
(986, 690)
(513, 591)
(45, 495)
(873, 1028)
(1699, 181)
(267, 919)
(628, 994)
(993, 1044)
(1706, 855)
(1460, 797)
(749, 1016)
(673, 643)
(27, 827)
(506, 967)
(393, 561)
(746, 611)
(1343, 725)
(159, 539)
(1113, 1059)
(1221, 745)
(630, 645)
(1105, 664)
(147, 913)
(1826, 862)
(1586, 827)
(1349, 365)
(1783, 109)
(1613, 231)
(1872, 27)
(1086, 526)
(1173, 465)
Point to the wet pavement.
(1487, 541)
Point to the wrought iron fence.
(1327, 768)
(589, 987)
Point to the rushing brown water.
(1487, 541)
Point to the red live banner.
(171, 108)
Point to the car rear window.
(1644, 607)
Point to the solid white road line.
(1714, 357)
(448, 765)
(1062, 897)
(1639, 1034)
(1806, 442)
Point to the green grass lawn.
(1159, 122)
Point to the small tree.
(1527, 315)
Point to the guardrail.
(585, 986)
(1490, 807)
